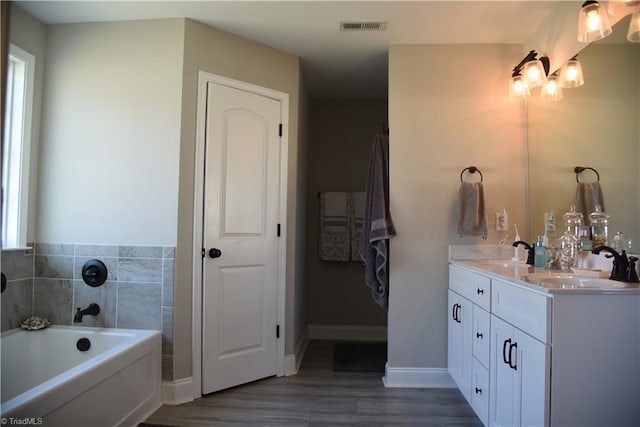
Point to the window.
(16, 147)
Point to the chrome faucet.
(624, 268)
(530, 250)
(92, 310)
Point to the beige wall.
(595, 125)
(31, 35)
(448, 109)
(217, 52)
(340, 137)
(110, 133)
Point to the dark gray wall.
(340, 138)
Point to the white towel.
(335, 233)
(472, 218)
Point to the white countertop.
(516, 273)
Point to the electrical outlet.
(502, 221)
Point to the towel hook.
(471, 169)
(579, 169)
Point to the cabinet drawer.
(471, 285)
(524, 309)
(481, 335)
(480, 391)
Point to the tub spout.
(92, 310)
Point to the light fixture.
(535, 72)
(593, 22)
(528, 74)
(634, 28)
(571, 74)
(518, 88)
(551, 91)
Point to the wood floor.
(317, 396)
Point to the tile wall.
(138, 293)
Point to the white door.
(240, 227)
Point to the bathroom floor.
(318, 396)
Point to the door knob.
(215, 253)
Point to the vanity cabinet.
(469, 338)
(524, 356)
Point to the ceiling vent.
(363, 26)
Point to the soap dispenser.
(539, 253)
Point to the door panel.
(241, 200)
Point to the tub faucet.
(530, 251)
(624, 268)
(92, 310)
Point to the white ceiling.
(335, 64)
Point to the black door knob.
(215, 253)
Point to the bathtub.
(50, 378)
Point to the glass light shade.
(593, 22)
(571, 74)
(551, 91)
(534, 74)
(518, 88)
(634, 28)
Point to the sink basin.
(571, 281)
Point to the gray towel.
(588, 195)
(472, 218)
(334, 227)
(378, 227)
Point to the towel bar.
(471, 169)
(579, 169)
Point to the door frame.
(201, 119)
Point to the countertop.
(516, 273)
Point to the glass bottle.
(568, 243)
(619, 242)
(599, 227)
(573, 221)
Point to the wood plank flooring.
(317, 396)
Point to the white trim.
(417, 378)
(203, 79)
(293, 361)
(348, 332)
(26, 142)
(177, 392)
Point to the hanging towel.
(378, 227)
(472, 218)
(588, 195)
(357, 222)
(334, 227)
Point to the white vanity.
(545, 353)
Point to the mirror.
(597, 126)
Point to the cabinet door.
(460, 342)
(505, 393)
(533, 372)
(519, 377)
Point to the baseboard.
(417, 378)
(177, 392)
(293, 361)
(348, 333)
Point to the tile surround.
(138, 293)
